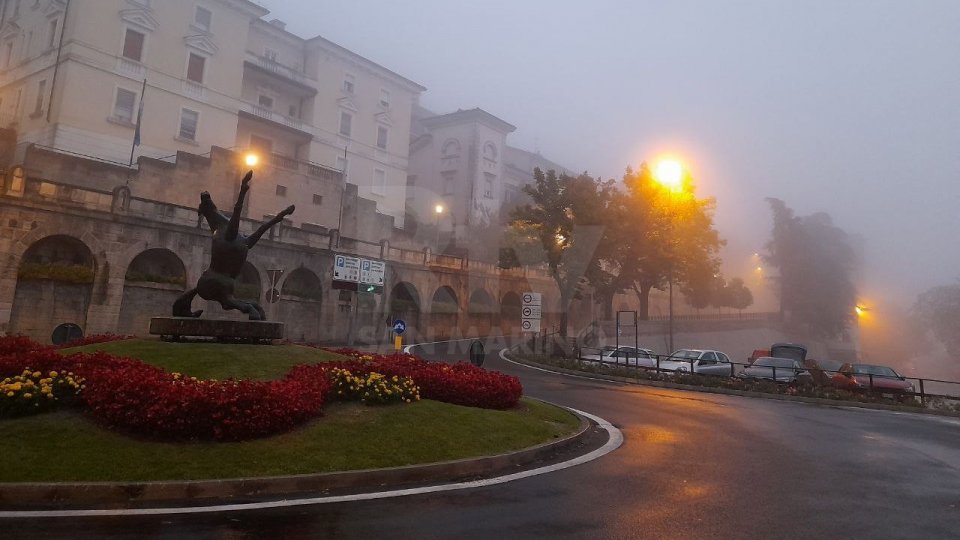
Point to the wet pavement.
(692, 465)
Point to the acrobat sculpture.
(227, 257)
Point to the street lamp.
(251, 159)
(669, 174)
(437, 210)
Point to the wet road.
(692, 466)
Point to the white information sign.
(346, 268)
(372, 272)
(531, 312)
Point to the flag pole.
(136, 136)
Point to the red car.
(869, 378)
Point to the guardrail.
(924, 388)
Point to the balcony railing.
(267, 114)
(277, 68)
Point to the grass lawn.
(214, 360)
(67, 446)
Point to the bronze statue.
(228, 255)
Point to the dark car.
(872, 378)
(781, 370)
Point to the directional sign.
(372, 272)
(531, 299)
(531, 312)
(346, 268)
(399, 327)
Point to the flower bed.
(93, 339)
(131, 396)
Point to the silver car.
(707, 362)
(781, 370)
(624, 356)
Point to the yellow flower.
(53, 373)
(10, 394)
(28, 395)
(37, 374)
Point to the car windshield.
(774, 362)
(685, 355)
(879, 371)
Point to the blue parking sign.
(399, 327)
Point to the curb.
(117, 495)
(743, 393)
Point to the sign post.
(399, 327)
(362, 276)
(531, 312)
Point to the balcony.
(291, 76)
(277, 119)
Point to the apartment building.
(75, 73)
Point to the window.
(342, 164)
(188, 124)
(379, 181)
(8, 54)
(271, 55)
(133, 45)
(490, 152)
(263, 144)
(317, 199)
(294, 113)
(123, 105)
(382, 137)
(384, 98)
(348, 83)
(54, 24)
(281, 191)
(202, 18)
(345, 120)
(195, 67)
(449, 183)
(265, 101)
(451, 148)
(488, 185)
(38, 106)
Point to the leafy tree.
(566, 223)
(939, 310)
(737, 295)
(815, 264)
(663, 236)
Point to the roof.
(470, 115)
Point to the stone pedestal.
(251, 331)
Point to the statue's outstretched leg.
(255, 237)
(250, 308)
(181, 308)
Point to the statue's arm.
(233, 227)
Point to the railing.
(267, 114)
(280, 69)
(810, 375)
(749, 316)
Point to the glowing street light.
(437, 210)
(861, 311)
(669, 173)
(251, 159)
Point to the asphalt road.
(692, 466)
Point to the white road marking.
(406, 349)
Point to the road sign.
(530, 325)
(372, 272)
(399, 327)
(531, 312)
(346, 268)
(531, 299)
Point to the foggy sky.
(842, 106)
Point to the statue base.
(177, 328)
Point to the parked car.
(871, 378)
(702, 361)
(781, 370)
(623, 355)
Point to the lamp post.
(437, 210)
(669, 174)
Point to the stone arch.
(510, 306)
(490, 151)
(54, 284)
(153, 281)
(301, 302)
(404, 304)
(450, 148)
(249, 284)
(444, 312)
(481, 311)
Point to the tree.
(939, 310)
(815, 264)
(566, 222)
(737, 295)
(663, 236)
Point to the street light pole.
(438, 209)
(669, 173)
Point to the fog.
(847, 107)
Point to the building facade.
(74, 75)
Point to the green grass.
(214, 360)
(66, 446)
